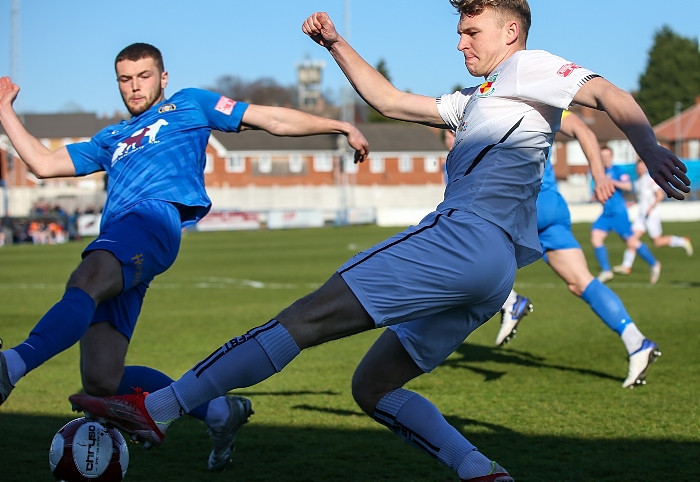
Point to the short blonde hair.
(502, 8)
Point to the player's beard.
(150, 101)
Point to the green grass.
(549, 406)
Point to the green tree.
(373, 115)
(672, 75)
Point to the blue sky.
(67, 47)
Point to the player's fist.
(8, 92)
(321, 29)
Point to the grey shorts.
(436, 282)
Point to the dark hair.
(140, 51)
(519, 8)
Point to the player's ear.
(163, 79)
(512, 32)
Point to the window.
(235, 163)
(376, 164)
(431, 164)
(349, 165)
(405, 163)
(623, 152)
(575, 155)
(209, 166)
(323, 162)
(265, 164)
(693, 149)
(296, 163)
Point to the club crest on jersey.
(138, 140)
(487, 88)
(166, 108)
(225, 105)
(567, 69)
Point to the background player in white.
(155, 162)
(649, 195)
(436, 282)
(615, 218)
(564, 254)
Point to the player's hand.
(358, 142)
(321, 29)
(8, 92)
(603, 189)
(668, 172)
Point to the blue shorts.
(554, 222)
(618, 222)
(436, 282)
(145, 238)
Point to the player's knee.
(99, 385)
(365, 397)
(576, 288)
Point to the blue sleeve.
(85, 156)
(223, 114)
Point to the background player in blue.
(434, 283)
(615, 218)
(564, 254)
(155, 163)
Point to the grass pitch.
(548, 406)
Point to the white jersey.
(504, 131)
(647, 221)
(646, 190)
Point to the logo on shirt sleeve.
(567, 69)
(225, 105)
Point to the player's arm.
(665, 168)
(281, 121)
(624, 184)
(43, 162)
(372, 86)
(573, 126)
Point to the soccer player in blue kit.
(432, 284)
(564, 254)
(615, 218)
(155, 163)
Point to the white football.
(86, 450)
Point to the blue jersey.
(616, 204)
(549, 180)
(161, 153)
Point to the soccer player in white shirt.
(649, 195)
(434, 283)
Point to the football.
(86, 450)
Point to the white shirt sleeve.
(546, 78)
(451, 106)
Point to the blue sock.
(601, 255)
(607, 305)
(149, 380)
(59, 329)
(646, 255)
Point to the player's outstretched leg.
(640, 362)
(511, 316)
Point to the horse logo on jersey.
(136, 140)
(487, 88)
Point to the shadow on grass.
(284, 453)
(467, 355)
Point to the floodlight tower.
(309, 74)
(347, 114)
(14, 43)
